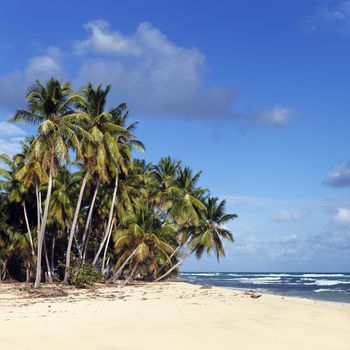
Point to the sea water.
(322, 286)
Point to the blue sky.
(254, 93)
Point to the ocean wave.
(323, 275)
(200, 274)
(327, 290)
(260, 280)
(327, 283)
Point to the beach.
(168, 315)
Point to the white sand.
(169, 316)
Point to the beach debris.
(47, 292)
(255, 296)
(205, 286)
(252, 294)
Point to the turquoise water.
(321, 286)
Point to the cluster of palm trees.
(123, 216)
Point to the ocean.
(320, 286)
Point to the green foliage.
(83, 274)
(160, 214)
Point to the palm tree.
(119, 213)
(58, 132)
(100, 154)
(142, 239)
(16, 189)
(208, 234)
(185, 198)
(120, 162)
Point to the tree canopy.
(105, 215)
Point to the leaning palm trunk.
(72, 229)
(121, 268)
(169, 271)
(85, 239)
(105, 236)
(28, 228)
(173, 254)
(4, 272)
(41, 234)
(181, 244)
(130, 278)
(107, 244)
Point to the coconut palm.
(16, 189)
(118, 214)
(142, 239)
(185, 198)
(58, 132)
(121, 162)
(210, 232)
(207, 236)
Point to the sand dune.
(168, 316)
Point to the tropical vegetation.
(76, 205)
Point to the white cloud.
(44, 67)
(340, 176)
(334, 17)
(285, 216)
(342, 216)
(277, 117)
(154, 75)
(10, 130)
(10, 146)
(151, 73)
(10, 138)
(102, 40)
(13, 86)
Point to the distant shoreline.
(334, 287)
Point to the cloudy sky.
(254, 93)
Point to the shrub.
(83, 274)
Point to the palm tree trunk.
(3, 275)
(105, 236)
(131, 276)
(121, 268)
(77, 243)
(107, 243)
(52, 257)
(42, 232)
(28, 273)
(48, 267)
(173, 254)
(85, 239)
(38, 206)
(170, 270)
(28, 228)
(72, 229)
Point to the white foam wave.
(260, 280)
(326, 283)
(323, 275)
(326, 290)
(200, 274)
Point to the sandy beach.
(172, 315)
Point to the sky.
(256, 94)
